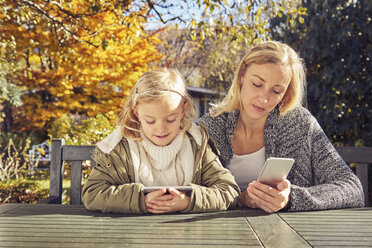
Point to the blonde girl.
(156, 143)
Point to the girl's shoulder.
(111, 141)
(197, 132)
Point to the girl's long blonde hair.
(279, 54)
(154, 85)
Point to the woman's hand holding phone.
(166, 201)
(271, 190)
(268, 198)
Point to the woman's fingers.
(269, 198)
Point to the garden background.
(67, 66)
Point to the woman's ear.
(185, 106)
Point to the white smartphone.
(274, 170)
(149, 189)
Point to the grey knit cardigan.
(320, 178)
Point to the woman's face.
(161, 119)
(263, 86)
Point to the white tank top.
(247, 167)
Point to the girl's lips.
(161, 137)
(258, 109)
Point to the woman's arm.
(334, 183)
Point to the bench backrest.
(362, 156)
(75, 154)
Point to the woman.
(261, 117)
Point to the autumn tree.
(209, 56)
(76, 56)
(83, 56)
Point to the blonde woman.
(261, 117)
(157, 144)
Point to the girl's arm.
(215, 188)
(106, 191)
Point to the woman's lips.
(258, 109)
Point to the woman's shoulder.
(295, 122)
(298, 115)
(224, 119)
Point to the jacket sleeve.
(109, 188)
(215, 188)
(334, 186)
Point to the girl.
(156, 144)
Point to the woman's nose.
(264, 97)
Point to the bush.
(82, 132)
(14, 161)
(21, 191)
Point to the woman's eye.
(257, 85)
(150, 122)
(170, 121)
(276, 92)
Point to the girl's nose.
(161, 128)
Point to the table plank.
(333, 228)
(274, 232)
(66, 225)
(24, 225)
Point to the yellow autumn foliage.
(81, 67)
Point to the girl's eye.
(257, 85)
(150, 122)
(276, 92)
(170, 121)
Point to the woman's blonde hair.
(279, 54)
(154, 85)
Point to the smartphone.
(274, 170)
(186, 189)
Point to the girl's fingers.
(155, 194)
(175, 192)
(158, 193)
(153, 211)
(165, 197)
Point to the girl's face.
(263, 86)
(161, 119)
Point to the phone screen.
(274, 170)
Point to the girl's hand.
(160, 194)
(269, 199)
(160, 205)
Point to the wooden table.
(26, 225)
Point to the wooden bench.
(361, 156)
(76, 155)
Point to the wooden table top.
(41, 225)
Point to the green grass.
(44, 183)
